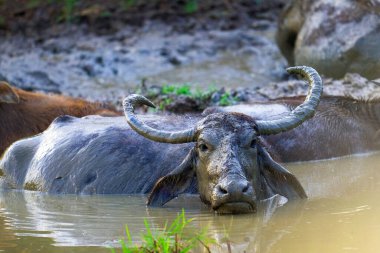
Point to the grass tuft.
(197, 99)
(172, 239)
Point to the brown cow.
(23, 113)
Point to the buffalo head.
(232, 168)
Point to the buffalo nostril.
(222, 190)
(245, 189)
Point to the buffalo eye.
(203, 147)
(253, 143)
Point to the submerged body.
(92, 154)
(104, 155)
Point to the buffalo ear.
(175, 183)
(277, 179)
(8, 94)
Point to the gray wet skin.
(234, 156)
(232, 170)
(103, 155)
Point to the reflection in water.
(341, 215)
(7, 237)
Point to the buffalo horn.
(131, 101)
(302, 112)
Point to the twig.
(204, 245)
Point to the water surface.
(342, 214)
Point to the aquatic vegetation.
(172, 238)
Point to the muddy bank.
(352, 85)
(80, 61)
(140, 49)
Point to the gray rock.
(334, 37)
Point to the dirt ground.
(104, 50)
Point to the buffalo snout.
(234, 195)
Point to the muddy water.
(342, 214)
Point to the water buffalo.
(23, 113)
(341, 126)
(221, 156)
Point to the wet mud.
(85, 60)
(229, 50)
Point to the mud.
(83, 60)
(229, 48)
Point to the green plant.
(164, 103)
(171, 239)
(68, 10)
(204, 95)
(168, 89)
(183, 90)
(191, 6)
(225, 99)
(177, 90)
(166, 94)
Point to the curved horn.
(131, 101)
(302, 112)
